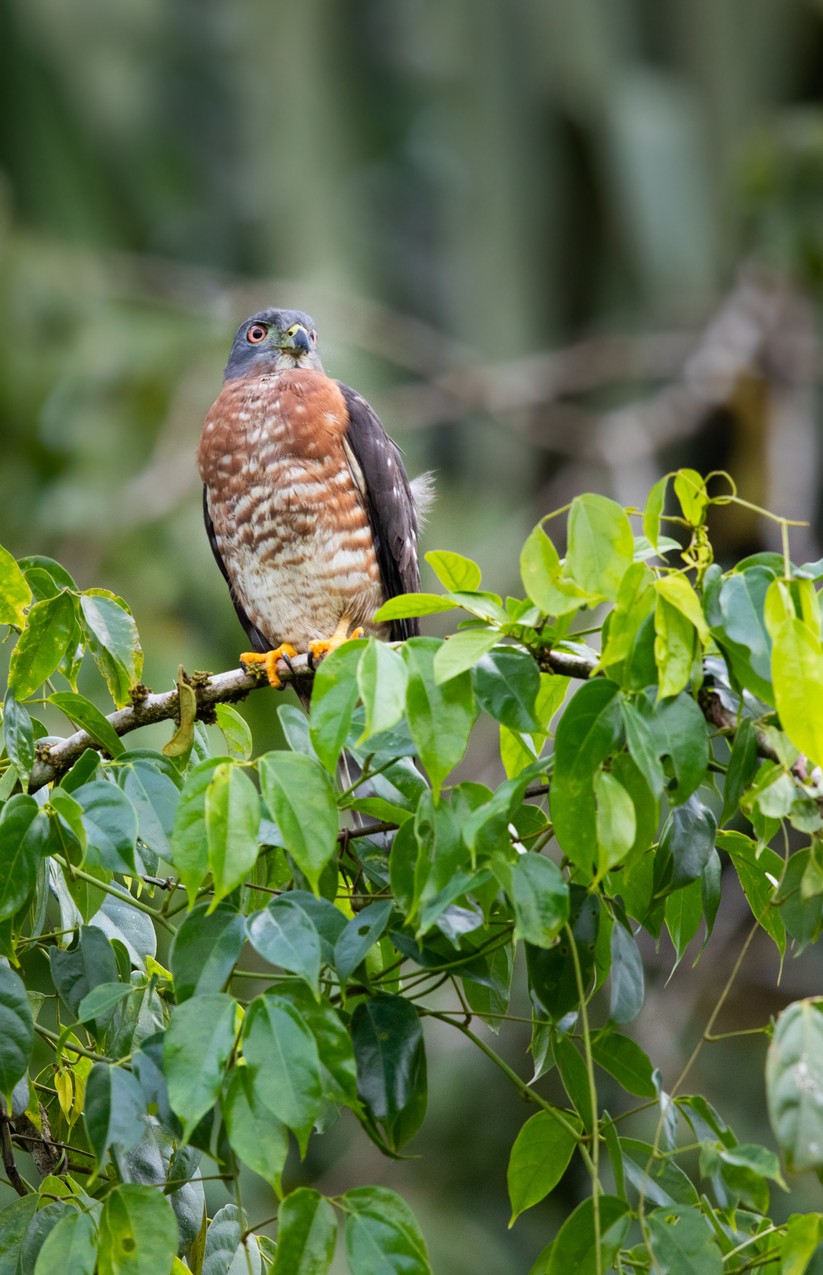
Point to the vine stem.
(109, 889)
(587, 1050)
(525, 1089)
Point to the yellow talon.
(322, 646)
(269, 661)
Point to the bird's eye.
(256, 334)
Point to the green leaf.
(623, 1058)
(615, 821)
(574, 1075)
(361, 933)
(232, 813)
(300, 796)
(14, 1222)
(138, 1232)
(462, 651)
(506, 683)
(114, 1111)
(440, 716)
(686, 842)
(205, 950)
(16, 1030)
(15, 594)
(553, 971)
(256, 1135)
(681, 740)
(539, 1158)
(236, 731)
(85, 715)
(797, 677)
(657, 1177)
(285, 935)
(654, 509)
(759, 870)
(70, 1248)
(391, 1064)
(110, 823)
(333, 699)
(306, 1234)
(674, 647)
(21, 850)
(600, 545)
(635, 602)
(338, 1070)
(408, 605)
(627, 987)
(454, 571)
(381, 679)
(42, 644)
(196, 1048)
(540, 897)
(189, 849)
(18, 735)
(682, 1242)
(575, 1248)
(281, 1054)
(229, 1249)
(588, 731)
(794, 1084)
(735, 612)
(382, 1234)
(113, 641)
(678, 592)
(542, 574)
(75, 973)
(690, 489)
(101, 1000)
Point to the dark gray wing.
(389, 504)
(254, 635)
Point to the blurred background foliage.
(560, 245)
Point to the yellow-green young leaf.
(690, 490)
(539, 1158)
(635, 599)
(406, 605)
(677, 590)
(601, 545)
(15, 594)
(42, 644)
(616, 821)
(778, 606)
(654, 511)
(797, 677)
(235, 730)
(803, 1234)
(454, 571)
(382, 680)
(543, 577)
(462, 651)
(674, 645)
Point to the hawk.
(309, 512)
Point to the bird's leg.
(321, 647)
(269, 661)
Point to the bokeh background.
(561, 245)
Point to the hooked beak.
(298, 339)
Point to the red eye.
(256, 334)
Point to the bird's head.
(273, 341)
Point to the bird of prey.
(311, 517)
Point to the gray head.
(273, 341)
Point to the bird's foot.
(321, 647)
(269, 661)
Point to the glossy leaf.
(440, 716)
(281, 1054)
(70, 1248)
(627, 983)
(18, 735)
(196, 1048)
(382, 1233)
(300, 796)
(587, 733)
(138, 1232)
(285, 935)
(306, 1234)
(575, 1248)
(735, 611)
(16, 1030)
(110, 823)
(42, 644)
(115, 1109)
(623, 1058)
(408, 605)
(361, 933)
(15, 594)
(232, 813)
(674, 647)
(543, 577)
(189, 849)
(381, 679)
(20, 848)
(113, 641)
(462, 651)
(228, 1249)
(506, 683)
(540, 896)
(454, 571)
(601, 545)
(77, 971)
(391, 1064)
(682, 1242)
(235, 730)
(334, 696)
(205, 949)
(256, 1135)
(539, 1158)
(794, 1085)
(88, 717)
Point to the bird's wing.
(256, 638)
(378, 470)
